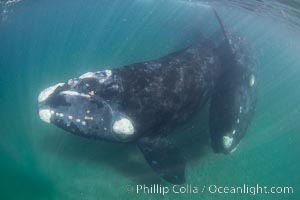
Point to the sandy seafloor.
(42, 43)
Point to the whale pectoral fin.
(164, 158)
(233, 104)
(233, 99)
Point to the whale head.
(86, 106)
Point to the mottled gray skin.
(159, 95)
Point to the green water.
(42, 43)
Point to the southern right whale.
(143, 102)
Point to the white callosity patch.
(123, 127)
(88, 75)
(92, 93)
(48, 91)
(59, 114)
(74, 93)
(108, 73)
(12, 2)
(233, 132)
(252, 80)
(72, 82)
(227, 141)
(45, 115)
(103, 76)
(233, 150)
(88, 118)
(70, 117)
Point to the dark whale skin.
(147, 100)
(167, 91)
(154, 95)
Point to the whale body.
(143, 102)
